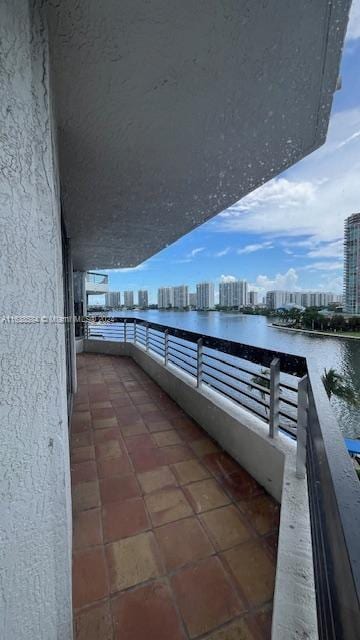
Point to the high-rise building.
(352, 264)
(143, 298)
(205, 295)
(128, 299)
(253, 298)
(165, 297)
(181, 296)
(233, 293)
(113, 299)
(192, 300)
(278, 299)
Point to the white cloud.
(313, 199)
(353, 31)
(222, 253)
(227, 278)
(251, 248)
(328, 250)
(140, 267)
(194, 252)
(322, 266)
(286, 281)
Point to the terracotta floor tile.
(148, 407)
(177, 453)
(237, 630)
(87, 529)
(114, 467)
(119, 488)
(104, 423)
(80, 421)
(128, 415)
(135, 428)
(203, 446)
(90, 581)
(159, 619)
(83, 472)
(82, 439)
(157, 416)
(161, 425)
(253, 570)
(271, 542)
(108, 449)
(206, 495)
(167, 505)
(81, 406)
(104, 435)
(85, 495)
(225, 527)
(141, 441)
(100, 404)
(94, 623)
(159, 478)
(205, 596)
(190, 433)
(221, 464)
(190, 471)
(82, 454)
(140, 398)
(147, 459)
(182, 542)
(166, 438)
(123, 519)
(261, 622)
(132, 561)
(104, 412)
(263, 513)
(240, 485)
(180, 421)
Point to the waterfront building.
(192, 300)
(253, 298)
(352, 264)
(233, 293)
(181, 296)
(128, 299)
(165, 298)
(113, 299)
(277, 299)
(143, 298)
(205, 295)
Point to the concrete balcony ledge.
(271, 462)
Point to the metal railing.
(97, 278)
(283, 390)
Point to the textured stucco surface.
(170, 112)
(35, 514)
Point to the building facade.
(143, 298)
(128, 299)
(205, 295)
(352, 264)
(277, 299)
(165, 298)
(253, 298)
(113, 299)
(181, 296)
(233, 293)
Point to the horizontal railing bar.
(235, 366)
(172, 361)
(285, 385)
(288, 416)
(242, 404)
(189, 345)
(184, 354)
(242, 380)
(182, 360)
(151, 337)
(291, 403)
(241, 391)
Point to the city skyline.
(287, 234)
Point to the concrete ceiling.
(169, 112)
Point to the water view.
(341, 353)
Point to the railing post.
(301, 431)
(134, 331)
(199, 362)
(147, 337)
(125, 331)
(166, 356)
(274, 397)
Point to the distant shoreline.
(326, 334)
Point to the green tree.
(336, 385)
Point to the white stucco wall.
(35, 514)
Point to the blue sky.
(298, 243)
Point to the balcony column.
(80, 297)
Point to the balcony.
(96, 283)
(172, 538)
(263, 444)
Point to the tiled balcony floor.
(172, 538)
